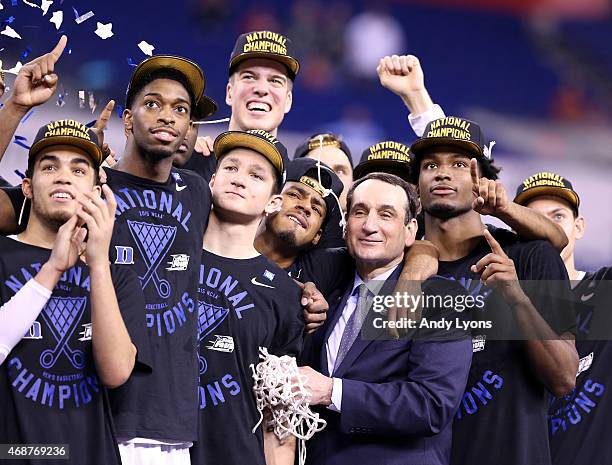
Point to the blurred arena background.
(537, 74)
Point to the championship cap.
(67, 132)
(193, 74)
(265, 44)
(387, 157)
(319, 177)
(322, 140)
(547, 183)
(453, 131)
(255, 139)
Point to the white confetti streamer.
(15, 69)
(104, 31)
(44, 6)
(10, 32)
(84, 17)
(33, 5)
(146, 48)
(57, 18)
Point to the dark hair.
(412, 204)
(276, 186)
(162, 73)
(487, 168)
(29, 172)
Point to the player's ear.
(411, 230)
(26, 188)
(212, 181)
(228, 92)
(288, 101)
(128, 120)
(274, 204)
(579, 226)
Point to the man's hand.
(490, 196)
(498, 271)
(36, 81)
(401, 74)
(315, 306)
(99, 216)
(99, 128)
(204, 145)
(319, 386)
(68, 245)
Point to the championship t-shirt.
(328, 269)
(50, 392)
(242, 305)
(502, 416)
(579, 422)
(158, 234)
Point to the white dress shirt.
(333, 342)
(419, 122)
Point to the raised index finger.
(105, 115)
(59, 48)
(474, 173)
(495, 247)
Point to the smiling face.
(59, 174)
(559, 211)
(159, 118)
(377, 231)
(243, 185)
(337, 160)
(445, 183)
(259, 93)
(299, 221)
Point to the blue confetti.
(69, 51)
(10, 20)
(20, 174)
(26, 52)
(131, 62)
(20, 141)
(14, 2)
(90, 124)
(119, 111)
(26, 117)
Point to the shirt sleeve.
(289, 335)
(419, 122)
(132, 304)
(19, 313)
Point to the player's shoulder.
(268, 275)
(602, 274)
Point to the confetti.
(57, 18)
(82, 18)
(92, 102)
(20, 141)
(33, 5)
(20, 174)
(1, 7)
(44, 6)
(14, 2)
(81, 99)
(119, 111)
(104, 31)
(10, 32)
(15, 69)
(61, 99)
(91, 124)
(146, 48)
(131, 62)
(10, 20)
(27, 117)
(26, 52)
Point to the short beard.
(54, 222)
(287, 238)
(446, 212)
(157, 154)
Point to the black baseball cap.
(67, 132)
(452, 131)
(194, 76)
(255, 139)
(205, 107)
(387, 157)
(307, 171)
(265, 44)
(322, 139)
(547, 183)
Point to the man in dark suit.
(389, 401)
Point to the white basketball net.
(280, 390)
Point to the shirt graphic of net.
(209, 317)
(62, 315)
(153, 242)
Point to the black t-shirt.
(158, 234)
(579, 422)
(204, 166)
(243, 305)
(50, 392)
(328, 269)
(4, 182)
(502, 416)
